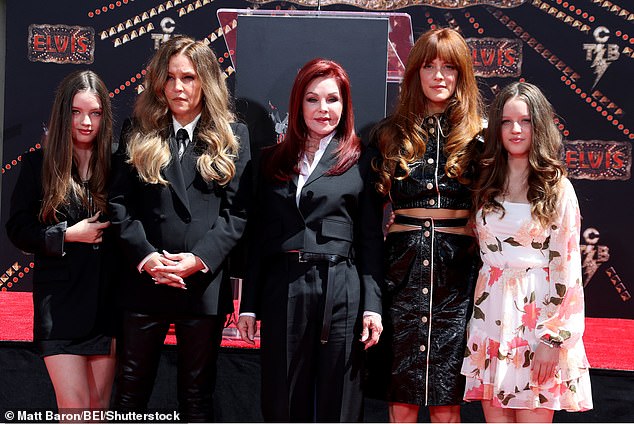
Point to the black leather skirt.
(430, 277)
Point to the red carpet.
(609, 342)
(16, 321)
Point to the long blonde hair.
(148, 147)
(546, 168)
(401, 138)
(60, 178)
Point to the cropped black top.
(427, 185)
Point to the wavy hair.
(546, 168)
(60, 178)
(148, 147)
(283, 159)
(401, 138)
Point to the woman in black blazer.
(315, 262)
(178, 200)
(56, 209)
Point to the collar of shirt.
(305, 169)
(189, 127)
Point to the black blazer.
(69, 279)
(337, 214)
(187, 215)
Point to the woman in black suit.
(55, 214)
(178, 201)
(315, 262)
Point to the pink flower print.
(520, 359)
(573, 244)
(523, 235)
(517, 342)
(492, 348)
(530, 315)
(475, 393)
(572, 303)
(478, 355)
(537, 233)
(558, 389)
(494, 275)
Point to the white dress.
(528, 287)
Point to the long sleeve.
(369, 236)
(24, 229)
(251, 285)
(562, 318)
(122, 204)
(214, 247)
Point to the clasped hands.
(171, 269)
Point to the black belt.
(420, 222)
(332, 260)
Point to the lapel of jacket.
(325, 163)
(174, 174)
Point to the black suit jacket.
(337, 214)
(187, 215)
(69, 279)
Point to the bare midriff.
(433, 214)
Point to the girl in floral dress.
(525, 356)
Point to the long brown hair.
(60, 179)
(148, 149)
(545, 170)
(283, 159)
(402, 140)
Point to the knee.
(403, 413)
(445, 414)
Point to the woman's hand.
(181, 265)
(545, 363)
(161, 276)
(247, 328)
(88, 230)
(372, 329)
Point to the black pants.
(198, 339)
(302, 379)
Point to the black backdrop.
(579, 52)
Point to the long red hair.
(282, 160)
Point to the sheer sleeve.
(562, 318)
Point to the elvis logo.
(598, 160)
(496, 57)
(600, 53)
(61, 44)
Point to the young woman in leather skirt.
(428, 146)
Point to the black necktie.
(181, 139)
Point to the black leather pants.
(198, 340)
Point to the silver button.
(426, 262)
(424, 319)
(430, 186)
(425, 290)
(432, 201)
(430, 160)
(426, 233)
(432, 130)
(422, 348)
(427, 224)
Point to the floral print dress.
(529, 287)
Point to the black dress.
(72, 294)
(430, 276)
